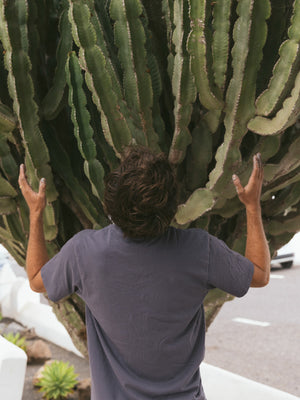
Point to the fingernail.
(234, 177)
(43, 180)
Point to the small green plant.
(17, 340)
(58, 380)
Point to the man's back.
(145, 318)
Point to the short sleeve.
(228, 270)
(61, 275)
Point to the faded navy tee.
(144, 312)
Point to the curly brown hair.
(141, 194)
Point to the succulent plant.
(16, 339)
(57, 380)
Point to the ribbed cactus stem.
(183, 84)
(82, 128)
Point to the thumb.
(237, 184)
(42, 187)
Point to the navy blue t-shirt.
(144, 306)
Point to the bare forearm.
(257, 249)
(37, 254)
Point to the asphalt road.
(258, 336)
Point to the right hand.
(35, 201)
(251, 193)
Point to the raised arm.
(257, 249)
(37, 254)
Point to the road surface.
(258, 336)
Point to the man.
(143, 281)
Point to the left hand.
(35, 201)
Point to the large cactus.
(210, 83)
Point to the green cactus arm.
(283, 202)
(8, 164)
(16, 249)
(82, 128)
(168, 15)
(198, 157)
(289, 162)
(285, 117)
(278, 226)
(249, 37)
(197, 49)
(94, 171)
(63, 168)
(285, 68)
(283, 174)
(5, 234)
(7, 205)
(228, 208)
(168, 12)
(213, 119)
(51, 102)
(156, 82)
(13, 17)
(294, 29)
(183, 85)
(220, 43)
(6, 190)
(200, 202)
(34, 41)
(7, 119)
(283, 74)
(130, 38)
(98, 79)
(14, 227)
(104, 35)
(105, 152)
(102, 8)
(275, 185)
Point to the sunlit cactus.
(210, 83)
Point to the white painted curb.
(220, 384)
(13, 362)
(20, 303)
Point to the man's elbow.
(35, 288)
(265, 281)
(260, 278)
(36, 284)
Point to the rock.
(12, 327)
(38, 352)
(84, 389)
